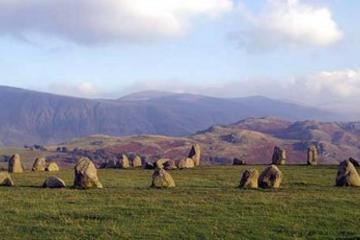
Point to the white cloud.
(93, 21)
(82, 89)
(339, 83)
(289, 23)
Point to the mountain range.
(30, 117)
(251, 140)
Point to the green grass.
(205, 205)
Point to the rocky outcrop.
(271, 177)
(86, 174)
(15, 165)
(249, 179)
(162, 179)
(312, 155)
(53, 182)
(347, 175)
(195, 154)
(279, 156)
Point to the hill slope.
(29, 117)
(252, 140)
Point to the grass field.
(205, 205)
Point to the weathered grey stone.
(15, 165)
(312, 155)
(279, 156)
(39, 164)
(249, 179)
(52, 167)
(170, 165)
(53, 182)
(271, 177)
(162, 179)
(137, 162)
(347, 175)
(86, 174)
(124, 162)
(195, 154)
(186, 163)
(6, 180)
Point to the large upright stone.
(5, 179)
(137, 163)
(53, 182)
(347, 175)
(170, 165)
(86, 174)
(354, 162)
(271, 177)
(249, 179)
(109, 164)
(15, 165)
(195, 154)
(52, 167)
(39, 164)
(160, 163)
(162, 179)
(279, 156)
(312, 155)
(186, 163)
(124, 162)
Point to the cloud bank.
(291, 23)
(94, 21)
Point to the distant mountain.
(251, 140)
(29, 117)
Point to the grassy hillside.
(205, 205)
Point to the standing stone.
(186, 163)
(279, 156)
(170, 165)
(39, 165)
(195, 154)
(162, 179)
(149, 165)
(160, 163)
(53, 182)
(354, 162)
(109, 164)
(249, 179)
(271, 177)
(312, 155)
(5, 179)
(347, 175)
(137, 161)
(86, 174)
(124, 162)
(15, 165)
(237, 161)
(52, 167)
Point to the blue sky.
(276, 48)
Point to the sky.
(300, 50)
